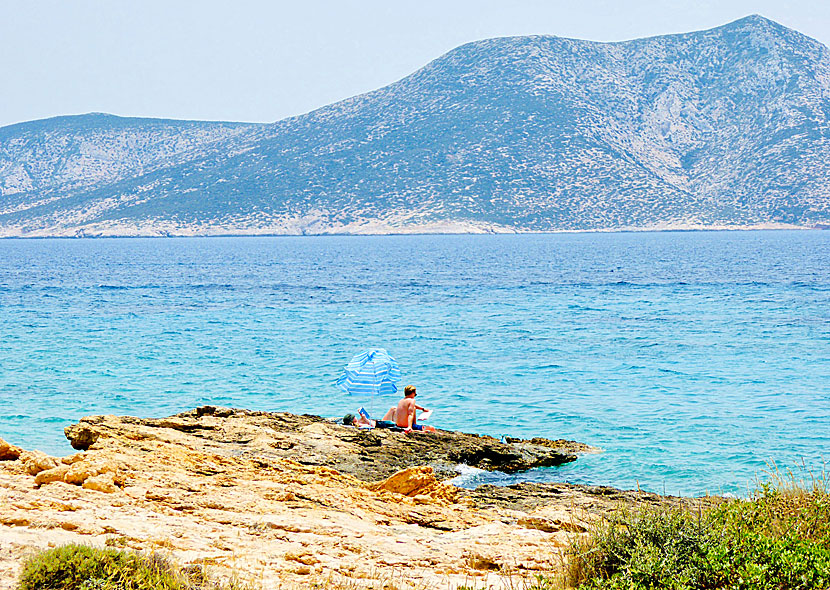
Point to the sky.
(266, 60)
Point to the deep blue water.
(693, 358)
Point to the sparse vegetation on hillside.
(721, 128)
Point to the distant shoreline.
(708, 229)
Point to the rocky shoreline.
(281, 499)
(368, 455)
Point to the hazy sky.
(261, 61)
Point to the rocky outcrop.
(294, 501)
(8, 452)
(369, 455)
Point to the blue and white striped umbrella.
(371, 372)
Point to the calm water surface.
(693, 359)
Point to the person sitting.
(405, 412)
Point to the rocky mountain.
(728, 127)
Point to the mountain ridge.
(726, 127)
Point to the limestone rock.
(8, 452)
(304, 557)
(81, 436)
(257, 492)
(36, 461)
(270, 438)
(80, 471)
(50, 475)
(418, 483)
(104, 482)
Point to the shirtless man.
(405, 412)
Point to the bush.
(78, 567)
(780, 538)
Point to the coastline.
(257, 495)
(376, 231)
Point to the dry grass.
(794, 503)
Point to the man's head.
(349, 419)
(409, 391)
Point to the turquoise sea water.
(692, 358)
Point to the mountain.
(728, 127)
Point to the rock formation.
(310, 440)
(280, 499)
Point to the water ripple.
(694, 359)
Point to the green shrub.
(780, 538)
(78, 567)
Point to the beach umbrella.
(372, 372)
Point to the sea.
(698, 362)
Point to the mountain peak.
(755, 20)
(760, 24)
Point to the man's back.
(405, 407)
